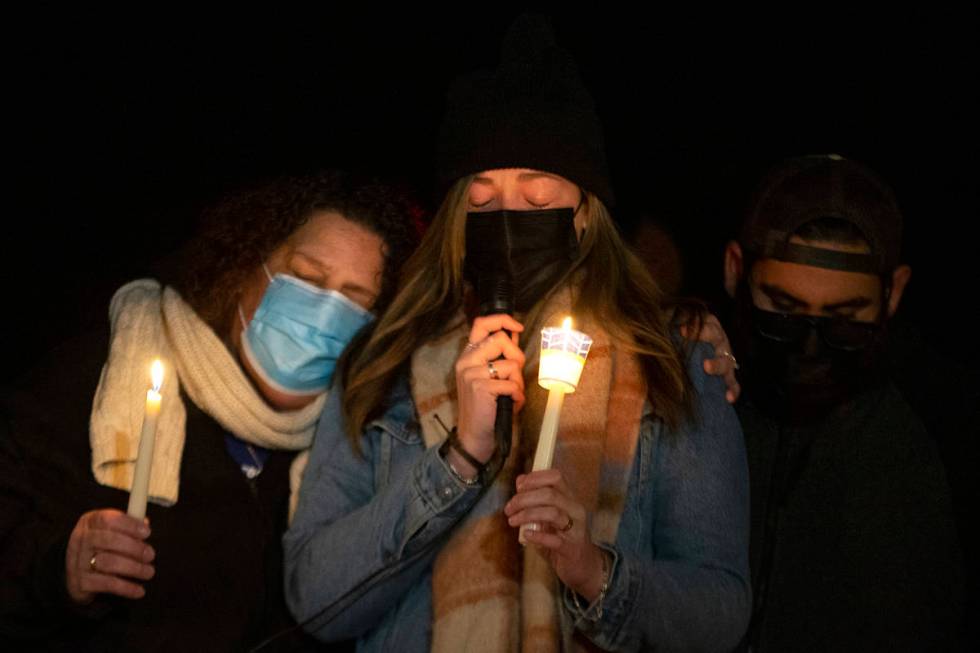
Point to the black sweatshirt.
(853, 545)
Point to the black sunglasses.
(837, 332)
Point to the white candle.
(144, 458)
(563, 354)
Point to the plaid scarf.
(489, 593)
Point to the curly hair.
(241, 231)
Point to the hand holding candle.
(563, 354)
(144, 457)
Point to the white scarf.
(149, 323)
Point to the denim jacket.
(367, 528)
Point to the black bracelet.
(452, 442)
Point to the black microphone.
(495, 290)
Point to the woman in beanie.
(406, 533)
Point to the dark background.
(125, 124)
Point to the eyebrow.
(524, 176)
(857, 302)
(532, 176)
(778, 294)
(311, 260)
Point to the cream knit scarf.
(489, 593)
(149, 323)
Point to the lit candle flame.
(156, 373)
(566, 324)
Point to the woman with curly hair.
(249, 329)
(406, 532)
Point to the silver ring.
(471, 346)
(493, 370)
(92, 564)
(728, 354)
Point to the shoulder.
(709, 390)
(895, 429)
(712, 425)
(63, 376)
(397, 416)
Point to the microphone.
(495, 290)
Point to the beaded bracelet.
(459, 477)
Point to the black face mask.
(531, 250)
(799, 367)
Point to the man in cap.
(852, 545)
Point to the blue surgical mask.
(297, 334)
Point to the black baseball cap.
(808, 188)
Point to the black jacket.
(218, 582)
(853, 545)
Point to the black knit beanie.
(533, 111)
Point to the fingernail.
(145, 530)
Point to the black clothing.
(853, 546)
(218, 582)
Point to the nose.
(811, 343)
(511, 199)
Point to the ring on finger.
(93, 564)
(728, 354)
(472, 346)
(492, 370)
(567, 527)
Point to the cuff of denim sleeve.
(443, 498)
(602, 622)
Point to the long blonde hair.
(615, 289)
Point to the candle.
(144, 458)
(563, 354)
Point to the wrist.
(466, 467)
(480, 452)
(598, 579)
(461, 468)
(592, 611)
